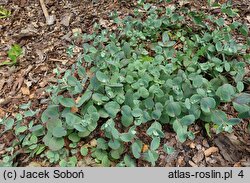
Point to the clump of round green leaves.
(150, 72)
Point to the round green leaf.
(173, 109)
(143, 92)
(187, 120)
(102, 77)
(240, 86)
(84, 151)
(105, 161)
(53, 123)
(59, 132)
(67, 102)
(207, 103)
(112, 108)
(129, 162)
(115, 154)
(126, 137)
(36, 128)
(137, 112)
(9, 123)
(244, 115)
(114, 144)
(102, 144)
(225, 92)
(56, 144)
(165, 37)
(156, 114)
(168, 149)
(84, 133)
(74, 137)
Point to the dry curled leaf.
(25, 91)
(144, 148)
(74, 109)
(210, 151)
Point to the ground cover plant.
(151, 71)
(4, 13)
(14, 52)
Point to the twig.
(45, 11)
(57, 60)
(49, 19)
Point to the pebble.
(51, 20)
(198, 147)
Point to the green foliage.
(154, 70)
(14, 52)
(4, 13)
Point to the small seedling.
(4, 13)
(14, 52)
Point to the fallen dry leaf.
(144, 148)
(238, 164)
(74, 109)
(192, 145)
(191, 163)
(25, 91)
(210, 151)
(198, 157)
(2, 113)
(32, 96)
(66, 19)
(93, 143)
(248, 18)
(35, 164)
(180, 161)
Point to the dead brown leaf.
(25, 91)
(144, 148)
(74, 109)
(210, 151)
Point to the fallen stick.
(45, 11)
(49, 19)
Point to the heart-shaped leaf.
(112, 108)
(114, 144)
(187, 120)
(173, 109)
(207, 103)
(59, 132)
(56, 144)
(225, 92)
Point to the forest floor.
(45, 48)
